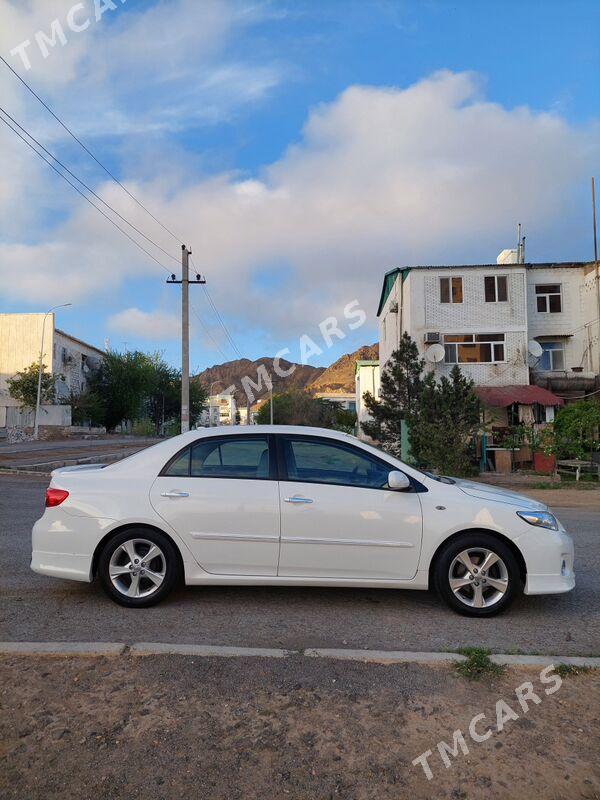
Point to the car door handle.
(298, 500)
(175, 494)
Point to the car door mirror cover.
(398, 481)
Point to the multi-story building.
(366, 379)
(70, 359)
(221, 410)
(506, 325)
(499, 322)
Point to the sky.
(300, 148)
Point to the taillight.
(54, 497)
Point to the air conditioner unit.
(432, 337)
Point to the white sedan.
(278, 505)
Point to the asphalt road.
(36, 608)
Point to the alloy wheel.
(137, 568)
(478, 577)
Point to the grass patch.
(570, 670)
(478, 664)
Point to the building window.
(451, 290)
(553, 357)
(496, 289)
(474, 348)
(548, 298)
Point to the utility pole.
(185, 333)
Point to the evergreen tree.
(443, 423)
(401, 386)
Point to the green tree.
(123, 382)
(401, 386)
(87, 408)
(443, 422)
(301, 408)
(23, 386)
(577, 429)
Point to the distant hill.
(232, 372)
(339, 377)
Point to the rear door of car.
(220, 494)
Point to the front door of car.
(220, 494)
(338, 519)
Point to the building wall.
(420, 311)
(575, 326)
(20, 342)
(73, 362)
(367, 379)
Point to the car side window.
(246, 457)
(318, 461)
(180, 466)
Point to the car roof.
(233, 430)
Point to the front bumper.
(549, 558)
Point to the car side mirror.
(398, 481)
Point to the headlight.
(541, 519)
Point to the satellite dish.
(535, 349)
(435, 353)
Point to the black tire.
(472, 541)
(167, 563)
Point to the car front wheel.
(477, 575)
(138, 568)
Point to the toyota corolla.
(279, 505)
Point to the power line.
(206, 330)
(89, 189)
(85, 197)
(88, 151)
(218, 316)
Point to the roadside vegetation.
(301, 408)
(134, 390)
(428, 421)
(478, 665)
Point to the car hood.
(484, 491)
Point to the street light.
(39, 386)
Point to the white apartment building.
(366, 379)
(67, 357)
(221, 410)
(504, 324)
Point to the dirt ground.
(183, 727)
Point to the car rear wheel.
(477, 575)
(138, 567)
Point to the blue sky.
(301, 148)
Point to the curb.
(62, 648)
(212, 651)
(205, 650)
(383, 656)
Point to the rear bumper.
(62, 565)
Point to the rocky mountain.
(339, 377)
(232, 372)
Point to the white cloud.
(432, 173)
(152, 325)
